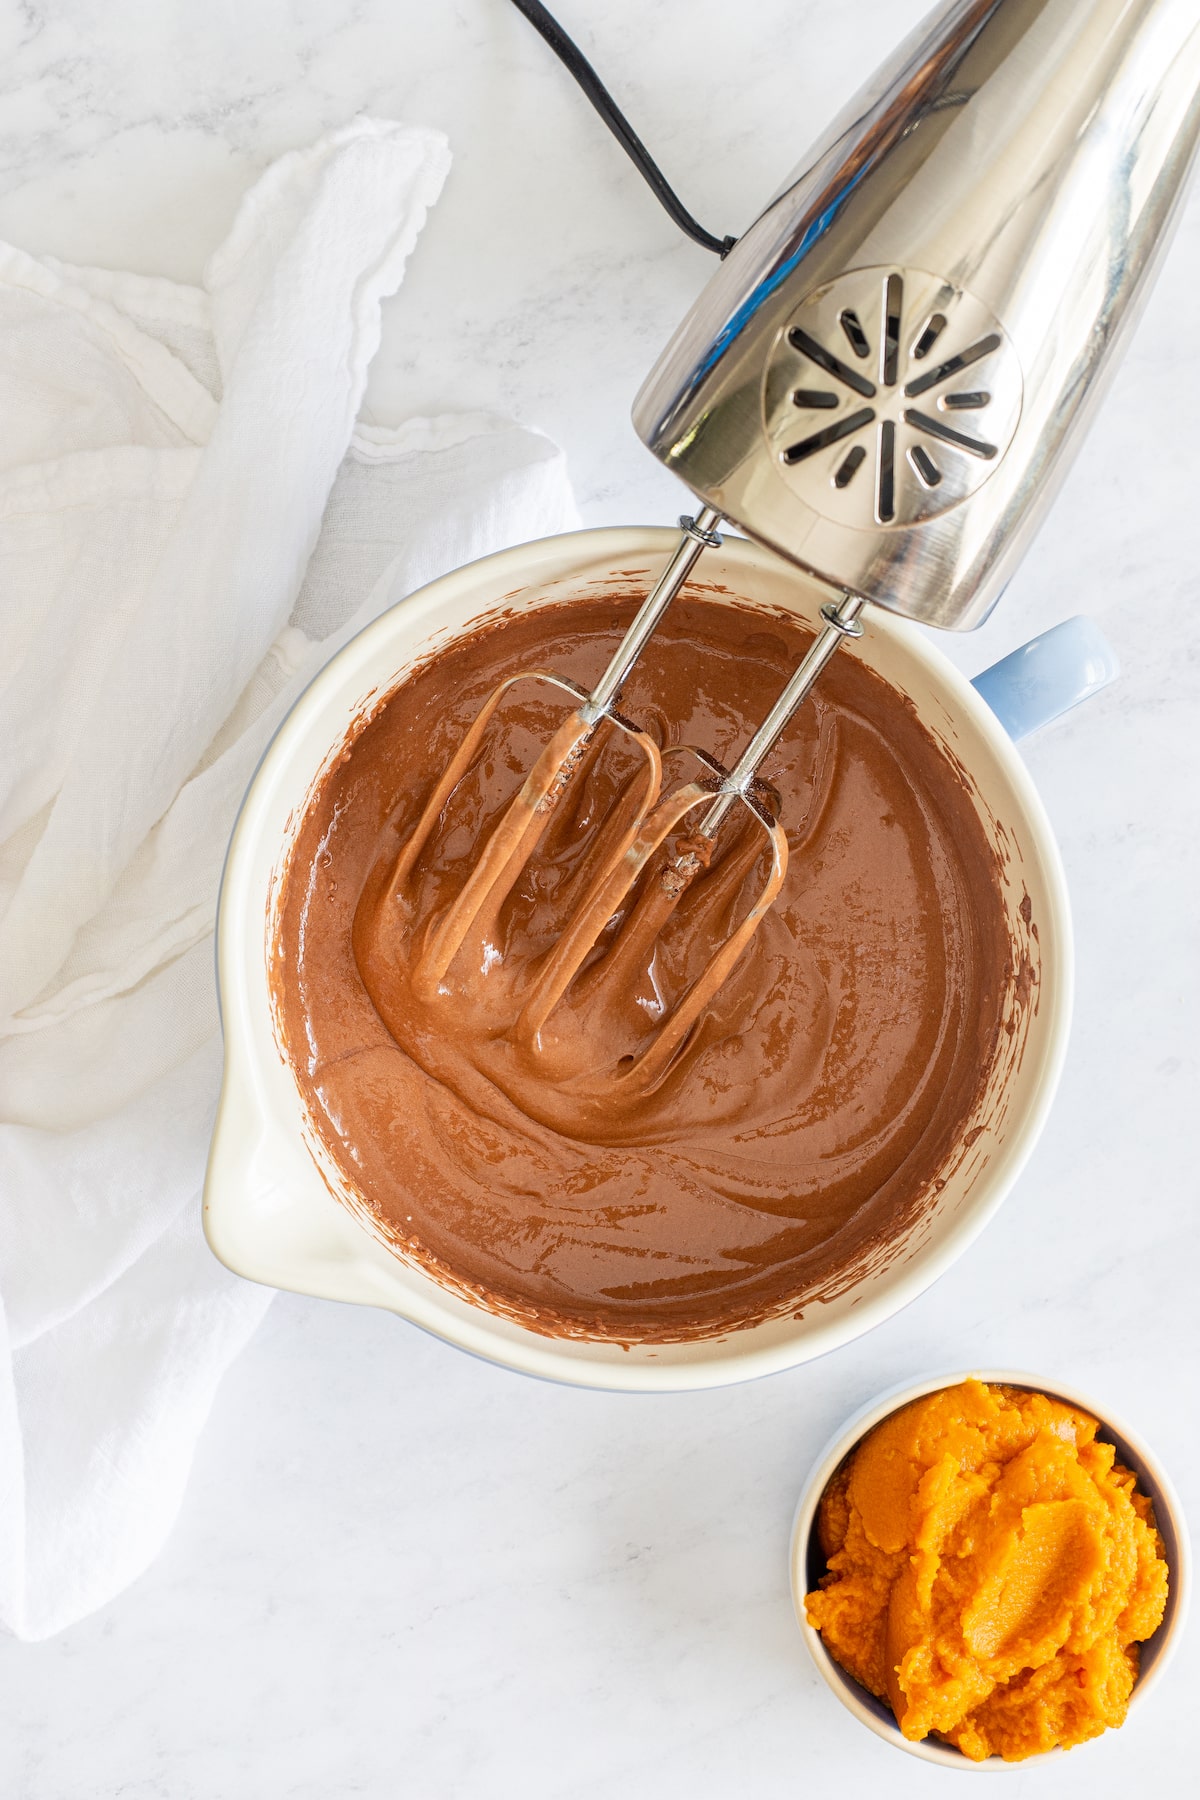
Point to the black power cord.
(577, 64)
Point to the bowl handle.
(1048, 675)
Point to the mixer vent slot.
(851, 463)
(930, 333)
(953, 366)
(832, 434)
(892, 307)
(975, 401)
(885, 493)
(832, 365)
(815, 399)
(927, 471)
(939, 429)
(856, 337)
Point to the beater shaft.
(697, 534)
(841, 621)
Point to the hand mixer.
(884, 383)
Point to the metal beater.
(884, 382)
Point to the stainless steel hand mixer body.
(950, 275)
(883, 383)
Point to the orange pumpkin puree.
(992, 1569)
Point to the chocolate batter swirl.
(827, 1085)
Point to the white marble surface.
(398, 1571)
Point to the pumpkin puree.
(992, 1570)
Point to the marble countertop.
(402, 1572)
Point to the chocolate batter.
(807, 1119)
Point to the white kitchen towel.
(192, 519)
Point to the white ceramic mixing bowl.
(277, 1209)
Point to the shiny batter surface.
(806, 1121)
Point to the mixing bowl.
(277, 1209)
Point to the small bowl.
(807, 1561)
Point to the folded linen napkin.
(191, 521)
